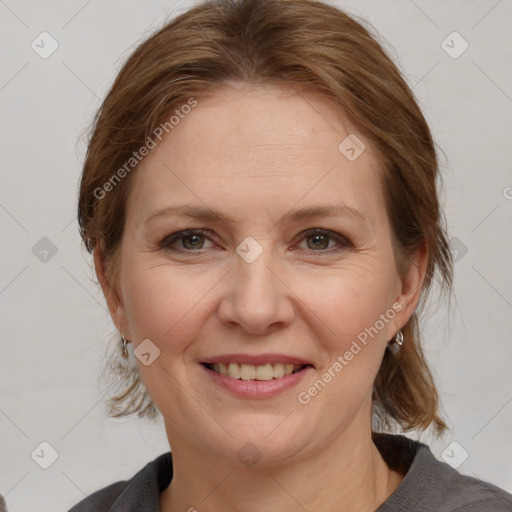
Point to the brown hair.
(290, 43)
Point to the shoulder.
(462, 493)
(430, 485)
(101, 500)
(140, 493)
(467, 494)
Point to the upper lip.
(256, 360)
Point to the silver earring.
(124, 347)
(395, 345)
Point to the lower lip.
(257, 388)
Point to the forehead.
(253, 147)
(275, 123)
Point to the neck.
(347, 472)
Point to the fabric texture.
(429, 485)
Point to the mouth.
(248, 372)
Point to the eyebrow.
(206, 214)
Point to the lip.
(256, 360)
(257, 388)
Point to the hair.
(303, 44)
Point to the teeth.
(247, 372)
(251, 372)
(234, 370)
(265, 372)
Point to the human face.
(254, 155)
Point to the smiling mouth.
(252, 372)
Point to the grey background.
(54, 324)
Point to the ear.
(410, 286)
(113, 302)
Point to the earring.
(395, 345)
(124, 348)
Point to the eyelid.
(319, 231)
(178, 235)
(344, 243)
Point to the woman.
(260, 197)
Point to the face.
(260, 283)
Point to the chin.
(268, 441)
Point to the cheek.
(170, 304)
(353, 334)
(350, 299)
(352, 329)
(162, 303)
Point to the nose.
(257, 299)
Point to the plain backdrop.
(54, 325)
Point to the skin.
(254, 154)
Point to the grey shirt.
(429, 485)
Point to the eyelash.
(169, 240)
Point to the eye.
(192, 240)
(320, 239)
